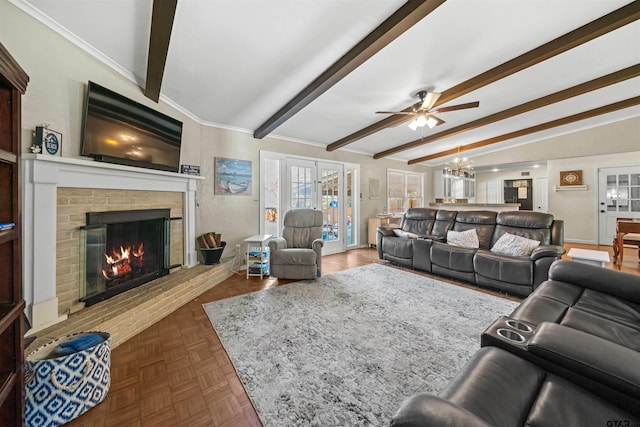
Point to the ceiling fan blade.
(438, 119)
(408, 113)
(457, 107)
(430, 100)
(403, 122)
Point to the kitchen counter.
(476, 206)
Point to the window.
(623, 193)
(404, 190)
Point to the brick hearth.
(131, 312)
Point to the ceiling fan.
(423, 111)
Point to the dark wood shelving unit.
(13, 83)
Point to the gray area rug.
(347, 349)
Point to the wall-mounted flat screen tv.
(119, 130)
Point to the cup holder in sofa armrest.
(508, 333)
(519, 326)
(511, 335)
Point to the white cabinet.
(449, 187)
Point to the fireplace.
(120, 250)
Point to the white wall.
(483, 177)
(579, 209)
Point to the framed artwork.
(374, 188)
(232, 176)
(571, 178)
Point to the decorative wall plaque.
(49, 141)
(571, 178)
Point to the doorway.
(519, 191)
(319, 185)
(289, 183)
(618, 197)
(541, 195)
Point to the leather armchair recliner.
(517, 275)
(298, 253)
(499, 389)
(578, 366)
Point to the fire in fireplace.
(124, 262)
(121, 250)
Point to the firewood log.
(202, 241)
(211, 241)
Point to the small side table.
(588, 256)
(258, 255)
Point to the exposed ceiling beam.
(533, 129)
(161, 24)
(402, 19)
(590, 31)
(591, 85)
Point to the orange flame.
(119, 262)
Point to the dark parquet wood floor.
(176, 373)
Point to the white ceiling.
(234, 63)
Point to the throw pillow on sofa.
(466, 239)
(401, 233)
(511, 244)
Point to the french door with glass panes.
(619, 197)
(319, 185)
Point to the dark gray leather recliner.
(599, 301)
(428, 224)
(577, 367)
(429, 251)
(520, 275)
(499, 389)
(455, 261)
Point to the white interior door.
(618, 197)
(493, 191)
(541, 195)
(320, 185)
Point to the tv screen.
(119, 130)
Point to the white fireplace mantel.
(41, 176)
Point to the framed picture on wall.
(232, 176)
(571, 178)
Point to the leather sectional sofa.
(422, 245)
(567, 356)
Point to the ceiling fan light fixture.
(422, 112)
(431, 122)
(421, 120)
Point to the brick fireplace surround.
(57, 194)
